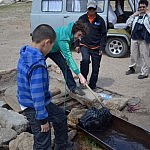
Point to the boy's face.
(78, 35)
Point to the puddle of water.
(120, 141)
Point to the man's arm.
(65, 49)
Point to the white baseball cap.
(91, 4)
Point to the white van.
(61, 12)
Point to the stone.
(24, 141)
(13, 120)
(11, 99)
(87, 100)
(75, 115)
(7, 78)
(116, 103)
(72, 134)
(2, 103)
(6, 135)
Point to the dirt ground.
(14, 32)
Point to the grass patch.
(89, 141)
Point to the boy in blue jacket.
(33, 91)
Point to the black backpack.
(96, 119)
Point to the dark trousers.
(84, 64)
(58, 58)
(42, 140)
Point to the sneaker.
(142, 77)
(130, 71)
(78, 91)
(82, 86)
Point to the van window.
(52, 5)
(76, 5)
(81, 5)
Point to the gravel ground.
(14, 32)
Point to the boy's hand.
(45, 127)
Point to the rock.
(116, 103)
(88, 99)
(75, 114)
(13, 120)
(1, 1)
(7, 78)
(24, 141)
(72, 134)
(11, 98)
(2, 103)
(6, 135)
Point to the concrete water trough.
(121, 135)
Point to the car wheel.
(116, 47)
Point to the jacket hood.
(30, 56)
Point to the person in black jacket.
(93, 44)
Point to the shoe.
(142, 77)
(82, 86)
(94, 88)
(78, 91)
(130, 71)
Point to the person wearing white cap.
(93, 44)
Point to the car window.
(52, 5)
(81, 5)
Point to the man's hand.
(45, 127)
(136, 13)
(77, 49)
(82, 79)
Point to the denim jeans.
(58, 58)
(84, 64)
(42, 140)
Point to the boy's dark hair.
(143, 2)
(43, 32)
(80, 26)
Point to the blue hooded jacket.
(33, 82)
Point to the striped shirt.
(33, 82)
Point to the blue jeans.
(42, 140)
(84, 64)
(58, 58)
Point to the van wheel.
(116, 47)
